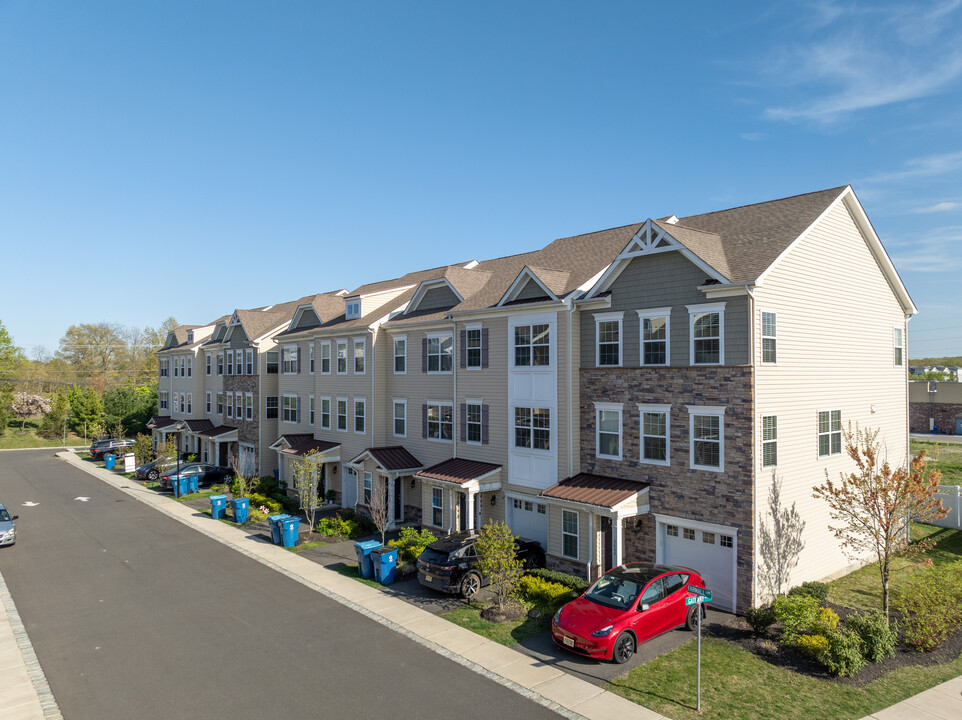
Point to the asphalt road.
(134, 615)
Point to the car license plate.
(428, 578)
(570, 642)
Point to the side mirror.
(645, 606)
(14, 517)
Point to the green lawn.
(737, 685)
(506, 633)
(13, 438)
(945, 457)
(350, 570)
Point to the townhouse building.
(628, 394)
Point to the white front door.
(348, 487)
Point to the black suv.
(110, 446)
(449, 564)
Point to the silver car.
(8, 531)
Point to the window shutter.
(424, 421)
(484, 423)
(424, 356)
(484, 349)
(297, 409)
(298, 351)
(464, 416)
(464, 351)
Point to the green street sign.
(696, 600)
(699, 591)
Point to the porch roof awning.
(302, 444)
(199, 426)
(221, 432)
(459, 471)
(159, 422)
(598, 490)
(394, 459)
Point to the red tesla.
(625, 607)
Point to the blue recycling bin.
(109, 461)
(289, 528)
(191, 484)
(218, 506)
(275, 521)
(364, 550)
(241, 507)
(177, 486)
(384, 560)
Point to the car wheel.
(153, 475)
(470, 585)
(623, 648)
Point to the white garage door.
(529, 519)
(711, 553)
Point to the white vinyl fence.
(951, 497)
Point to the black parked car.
(150, 471)
(449, 564)
(109, 446)
(206, 474)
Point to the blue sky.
(150, 150)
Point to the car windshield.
(613, 591)
(4, 515)
(434, 557)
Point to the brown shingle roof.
(599, 490)
(218, 431)
(459, 471)
(199, 426)
(160, 421)
(391, 458)
(303, 443)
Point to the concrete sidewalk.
(542, 683)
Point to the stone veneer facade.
(246, 429)
(724, 498)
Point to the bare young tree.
(243, 475)
(779, 544)
(379, 507)
(306, 482)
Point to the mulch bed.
(512, 611)
(773, 651)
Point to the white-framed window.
(472, 423)
(769, 440)
(208, 402)
(342, 357)
(688, 533)
(707, 431)
(326, 413)
(176, 367)
(726, 541)
(239, 363)
(655, 329)
(310, 356)
(325, 358)
(472, 347)
(608, 430)
(359, 416)
(310, 409)
(400, 418)
(230, 362)
(341, 408)
(289, 359)
(230, 405)
(162, 401)
(769, 337)
(608, 339)
(271, 407)
(163, 364)
(220, 403)
(368, 487)
(190, 367)
(440, 353)
(439, 421)
(289, 409)
(189, 403)
(352, 309)
(208, 363)
(707, 323)
(437, 507)
(400, 355)
(359, 354)
(569, 533)
(655, 446)
(708, 537)
(249, 406)
(532, 428)
(532, 345)
(897, 346)
(829, 432)
(271, 362)
(220, 363)
(249, 359)
(672, 530)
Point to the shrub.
(257, 501)
(878, 637)
(844, 655)
(824, 622)
(412, 543)
(813, 646)
(547, 596)
(338, 526)
(760, 619)
(817, 590)
(289, 504)
(572, 582)
(265, 485)
(364, 523)
(796, 613)
(931, 607)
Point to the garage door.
(529, 519)
(711, 553)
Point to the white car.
(8, 531)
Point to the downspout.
(591, 545)
(751, 345)
(569, 301)
(908, 414)
(455, 362)
(374, 382)
(260, 425)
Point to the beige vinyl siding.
(834, 316)
(300, 384)
(372, 302)
(560, 421)
(554, 532)
(661, 280)
(489, 384)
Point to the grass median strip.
(506, 633)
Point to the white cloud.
(928, 166)
(751, 137)
(939, 207)
(937, 252)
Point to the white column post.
(616, 540)
(390, 500)
(469, 509)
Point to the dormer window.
(352, 309)
(190, 336)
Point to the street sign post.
(701, 595)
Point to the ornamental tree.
(498, 560)
(305, 478)
(873, 507)
(25, 406)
